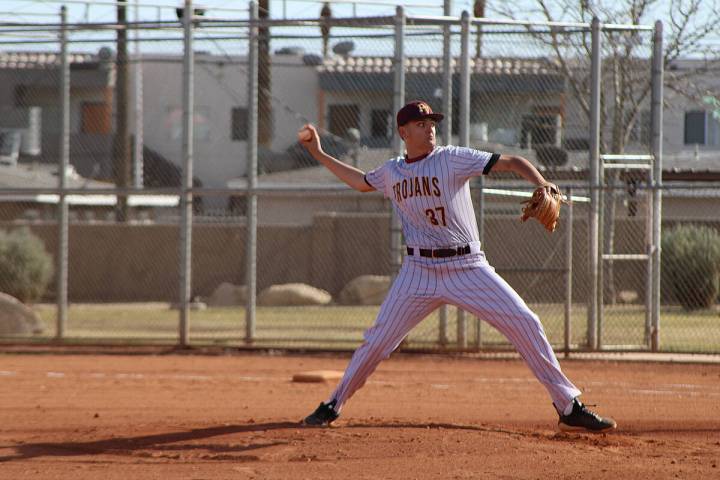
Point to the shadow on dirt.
(160, 442)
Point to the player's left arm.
(521, 166)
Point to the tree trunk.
(265, 120)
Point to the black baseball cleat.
(582, 419)
(323, 415)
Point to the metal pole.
(252, 167)
(398, 102)
(657, 150)
(649, 265)
(480, 182)
(447, 80)
(62, 257)
(594, 220)
(570, 226)
(600, 301)
(138, 144)
(186, 197)
(464, 133)
(447, 84)
(464, 127)
(399, 74)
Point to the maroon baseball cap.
(417, 110)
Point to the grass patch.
(343, 326)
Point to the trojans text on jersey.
(416, 187)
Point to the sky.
(28, 10)
(47, 11)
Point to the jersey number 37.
(436, 216)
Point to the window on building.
(201, 123)
(540, 129)
(695, 128)
(239, 124)
(343, 117)
(380, 124)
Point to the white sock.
(568, 409)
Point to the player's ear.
(401, 131)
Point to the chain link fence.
(152, 238)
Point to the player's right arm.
(354, 177)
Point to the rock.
(627, 296)
(228, 295)
(195, 304)
(198, 305)
(365, 290)
(291, 294)
(17, 318)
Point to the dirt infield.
(235, 417)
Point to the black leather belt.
(441, 252)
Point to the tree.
(688, 26)
(325, 14)
(121, 144)
(478, 12)
(265, 117)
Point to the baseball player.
(430, 192)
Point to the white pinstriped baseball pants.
(470, 283)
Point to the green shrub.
(691, 266)
(25, 266)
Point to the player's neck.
(415, 154)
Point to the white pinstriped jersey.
(432, 196)
(432, 199)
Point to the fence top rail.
(350, 22)
(133, 4)
(620, 26)
(239, 187)
(440, 19)
(623, 157)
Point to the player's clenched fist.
(309, 138)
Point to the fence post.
(464, 130)
(480, 183)
(252, 164)
(398, 102)
(62, 257)
(594, 183)
(657, 151)
(447, 89)
(447, 80)
(186, 197)
(139, 142)
(568, 272)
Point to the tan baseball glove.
(544, 206)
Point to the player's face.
(419, 134)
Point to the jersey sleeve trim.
(370, 184)
(493, 160)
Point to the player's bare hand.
(309, 138)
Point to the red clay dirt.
(235, 417)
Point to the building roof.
(424, 75)
(496, 65)
(37, 60)
(44, 176)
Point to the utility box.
(27, 122)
